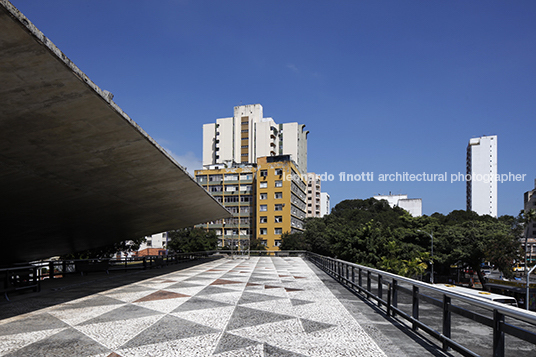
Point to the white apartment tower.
(248, 135)
(481, 183)
(313, 195)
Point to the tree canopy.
(370, 232)
(187, 240)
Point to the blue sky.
(383, 86)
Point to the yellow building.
(266, 199)
(281, 199)
(234, 188)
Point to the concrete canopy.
(75, 171)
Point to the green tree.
(192, 240)
(370, 232)
(256, 244)
(293, 241)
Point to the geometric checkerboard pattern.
(264, 306)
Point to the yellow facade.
(281, 199)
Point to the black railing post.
(389, 288)
(360, 279)
(36, 280)
(395, 295)
(380, 289)
(353, 274)
(415, 305)
(446, 320)
(369, 282)
(498, 334)
(51, 270)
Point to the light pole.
(432, 257)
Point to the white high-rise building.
(248, 135)
(325, 204)
(482, 171)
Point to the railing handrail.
(527, 316)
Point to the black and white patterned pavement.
(264, 306)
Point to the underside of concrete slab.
(75, 171)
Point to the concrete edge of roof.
(45, 41)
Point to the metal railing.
(20, 278)
(30, 276)
(359, 279)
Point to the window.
(245, 188)
(264, 173)
(263, 219)
(149, 243)
(278, 219)
(279, 172)
(278, 195)
(277, 242)
(264, 208)
(263, 231)
(215, 178)
(264, 242)
(233, 177)
(278, 183)
(278, 207)
(278, 231)
(246, 198)
(264, 184)
(263, 196)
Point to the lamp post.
(431, 235)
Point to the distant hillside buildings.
(318, 203)
(482, 169)
(412, 205)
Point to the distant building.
(267, 199)
(412, 205)
(318, 204)
(247, 136)
(325, 204)
(155, 244)
(529, 202)
(234, 186)
(481, 188)
(313, 195)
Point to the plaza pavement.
(263, 306)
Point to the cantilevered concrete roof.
(75, 171)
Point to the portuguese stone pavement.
(264, 306)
